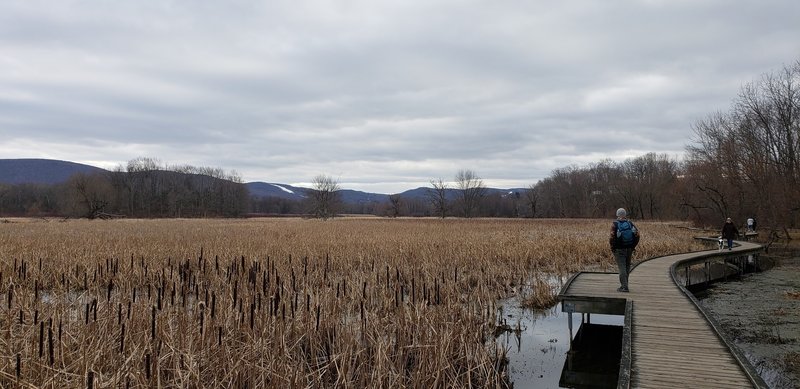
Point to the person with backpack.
(623, 240)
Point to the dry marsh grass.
(280, 302)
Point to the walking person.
(623, 240)
(729, 232)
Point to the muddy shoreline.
(761, 312)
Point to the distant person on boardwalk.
(729, 232)
(750, 224)
(623, 240)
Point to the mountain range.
(41, 171)
(50, 172)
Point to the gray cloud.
(383, 95)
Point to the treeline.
(489, 205)
(507, 205)
(466, 196)
(747, 161)
(645, 186)
(142, 188)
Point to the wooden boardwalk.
(672, 343)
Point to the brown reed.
(287, 302)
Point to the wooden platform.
(672, 342)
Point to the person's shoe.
(622, 289)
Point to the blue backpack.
(626, 232)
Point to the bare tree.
(646, 182)
(142, 183)
(471, 189)
(394, 205)
(438, 198)
(532, 199)
(605, 186)
(746, 161)
(324, 197)
(91, 194)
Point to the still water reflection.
(539, 341)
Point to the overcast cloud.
(382, 95)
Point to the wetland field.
(349, 302)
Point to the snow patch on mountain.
(282, 188)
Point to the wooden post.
(687, 276)
(743, 267)
(569, 323)
(725, 270)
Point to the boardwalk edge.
(737, 353)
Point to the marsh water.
(539, 341)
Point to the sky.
(383, 96)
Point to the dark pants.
(623, 258)
(730, 243)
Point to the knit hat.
(621, 212)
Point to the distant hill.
(284, 191)
(49, 171)
(349, 196)
(41, 171)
